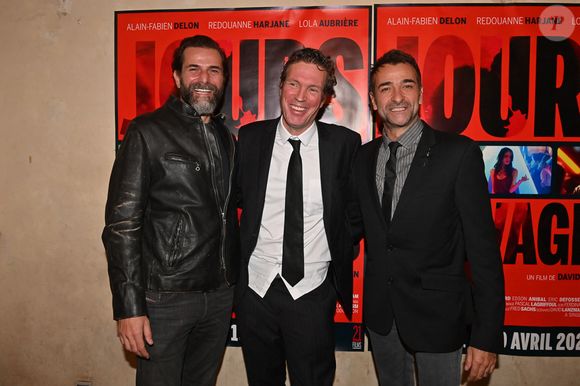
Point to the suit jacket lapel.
(417, 170)
(265, 156)
(371, 176)
(327, 166)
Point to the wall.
(56, 151)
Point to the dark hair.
(314, 56)
(395, 57)
(200, 41)
(499, 163)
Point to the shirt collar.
(410, 137)
(305, 138)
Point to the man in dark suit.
(296, 245)
(425, 212)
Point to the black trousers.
(277, 329)
(190, 330)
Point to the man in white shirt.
(297, 252)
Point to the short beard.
(204, 106)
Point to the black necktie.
(390, 177)
(293, 244)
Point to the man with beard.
(425, 212)
(171, 233)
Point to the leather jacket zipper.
(221, 209)
(224, 211)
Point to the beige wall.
(56, 150)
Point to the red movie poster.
(257, 41)
(508, 76)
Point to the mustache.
(203, 86)
(395, 105)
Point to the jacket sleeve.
(482, 250)
(354, 219)
(122, 235)
(353, 211)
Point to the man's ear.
(325, 101)
(177, 79)
(373, 102)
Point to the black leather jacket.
(170, 226)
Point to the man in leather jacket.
(171, 233)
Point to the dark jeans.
(277, 329)
(189, 337)
(394, 363)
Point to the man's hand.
(131, 332)
(479, 364)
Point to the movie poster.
(508, 76)
(257, 41)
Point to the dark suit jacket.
(337, 146)
(415, 271)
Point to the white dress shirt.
(266, 260)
